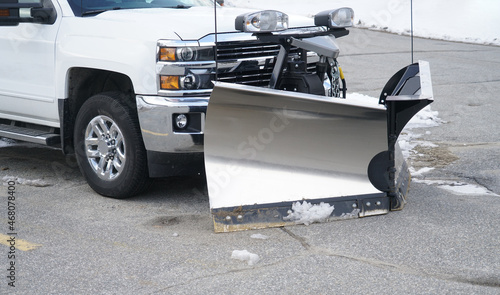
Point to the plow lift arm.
(289, 154)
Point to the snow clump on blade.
(307, 213)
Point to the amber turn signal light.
(4, 13)
(169, 82)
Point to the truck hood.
(187, 24)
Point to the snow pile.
(244, 255)
(474, 21)
(424, 119)
(23, 181)
(307, 213)
(259, 237)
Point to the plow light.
(262, 21)
(337, 18)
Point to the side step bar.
(44, 137)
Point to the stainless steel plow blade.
(275, 158)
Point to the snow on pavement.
(259, 237)
(458, 187)
(24, 181)
(6, 142)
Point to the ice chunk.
(307, 213)
(244, 255)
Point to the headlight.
(191, 80)
(186, 53)
(262, 21)
(185, 66)
(338, 18)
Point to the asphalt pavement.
(72, 241)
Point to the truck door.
(27, 71)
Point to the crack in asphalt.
(478, 181)
(300, 239)
(483, 281)
(489, 281)
(481, 183)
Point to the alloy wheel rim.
(105, 147)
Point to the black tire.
(109, 147)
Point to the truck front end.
(173, 120)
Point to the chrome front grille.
(245, 49)
(251, 62)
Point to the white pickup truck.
(123, 84)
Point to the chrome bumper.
(156, 119)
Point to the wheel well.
(84, 83)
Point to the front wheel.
(109, 147)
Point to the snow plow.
(299, 150)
